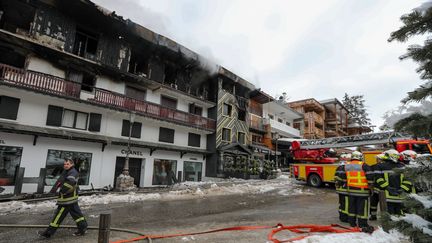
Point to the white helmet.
(392, 155)
(409, 155)
(356, 155)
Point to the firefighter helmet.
(392, 155)
(409, 155)
(382, 156)
(356, 155)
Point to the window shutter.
(9, 107)
(55, 115)
(194, 140)
(125, 128)
(95, 122)
(136, 130)
(166, 135)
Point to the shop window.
(194, 140)
(10, 159)
(241, 138)
(74, 119)
(192, 171)
(241, 115)
(227, 110)
(9, 107)
(166, 135)
(226, 134)
(136, 129)
(168, 102)
(164, 172)
(54, 165)
(194, 109)
(132, 92)
(85, 44)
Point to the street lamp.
(124, 181)
(276, 136)
(126, 164)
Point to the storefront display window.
(164, 172)
(192, 171)
(10, 159)
(55, 161)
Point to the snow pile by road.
(378, 236)
(187, 190)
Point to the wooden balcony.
(313, 116)
(48, 84)
(256, 123)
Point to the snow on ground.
(416, 221)
(425, 200)
(378, 236)
(186, 190)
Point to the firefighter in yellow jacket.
(341, 187)
(359, 177)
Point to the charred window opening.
(9, 57)
(87, 80)
(241, 115)
(85, 44)
(16, 16)
(139, 64)
(228, 86)
(170, 77)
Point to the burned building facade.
(74, 78)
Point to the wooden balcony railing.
(256, 123)
(39, 81)
(116, 100)
(48, 84)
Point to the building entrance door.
(134, 169)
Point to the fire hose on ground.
(305, 230)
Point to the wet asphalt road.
(191, 215)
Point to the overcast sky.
(319, 49)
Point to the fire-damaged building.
(78, 81)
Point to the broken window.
(227, 110)
(139, 65)
(11, 58)
(228, 87)
(16, 16)
(85, 44)
(87, 80)
(241, 115)
(170, 77)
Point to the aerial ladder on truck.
(314, 163)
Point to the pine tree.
(418, 22)
(356, 108)
(416, 223)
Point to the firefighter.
(67, 201)
(359, 177)
(341, 188)
(393, 182)
(374, 198)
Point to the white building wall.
(40, 65)
(109, 84)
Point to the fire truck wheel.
(314, 180)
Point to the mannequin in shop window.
(171, 177)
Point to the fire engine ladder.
(353, 141)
